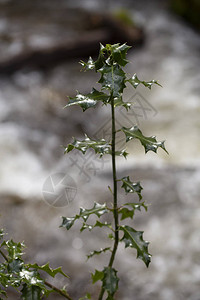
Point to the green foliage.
(134, 239)
(113, 80)
(25, 278)
(97, 252)
(149, 143)
(131, 187)
(101, 147)
(110, 281)
(135, 81)
(98, 210)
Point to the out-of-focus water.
(34, 126)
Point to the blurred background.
(41, 44)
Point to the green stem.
(62, 293)
(115, 208)
(4, 256)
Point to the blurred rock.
(40, 35)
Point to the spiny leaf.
(134, 81)
(97, 209)
(101, 147)
(46, 268)
(98, 275)
(126, 213)
(15, 265)
(97, 252)
(89, 65)
(131, 187)
(31, 292)
(119, 102)
(68, 222)
(110, 280)
(119, 53)
(136, 205)
(31, 277)
(14, 249)
(86, 226)
(88, 100)
(134, 239)
(113, 79)
(121, 153)
(97, 224)
(149, 143)
(101, 58)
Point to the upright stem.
(115, 208)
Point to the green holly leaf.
(46, 268)
(98, 210)
(89, 65)
(137, 206)
(126, 213)
(97, 224)
(31, 292)
(101, 147)
(100, 224)
(149, 143)
(119, 102)
(89, 100)
(101, 58)
(98, 275)
(68, 222)
(134, 239)
(134, 81)
(86, 226)
(31, 277)
(97, 252)
(15, 265)
(121, 153)
(110, 280)
(119, 53)
(112, 79)
(131, 187)
(14, 249)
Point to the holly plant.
(25, 278)
(113, 81)
(28, 278)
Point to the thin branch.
(62, 293)
(4, 256)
